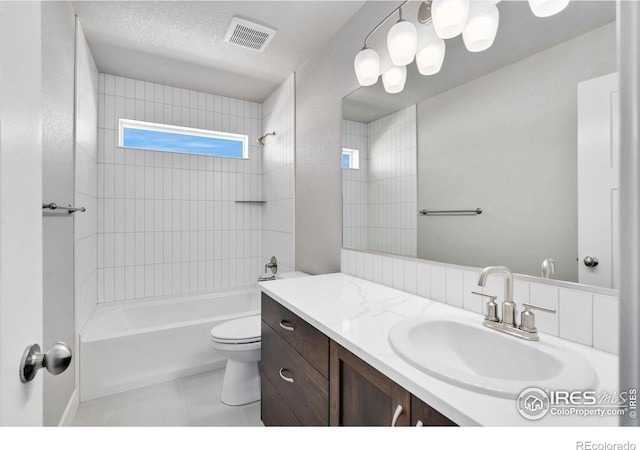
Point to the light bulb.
(449, 17)
(401, 41)
(429, 59)
(367, 66)
(394, 79)
(481, 30)
(546, 8)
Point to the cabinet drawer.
(307, 340)
(306, 393)
(273, 410)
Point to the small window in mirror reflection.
(350, 158)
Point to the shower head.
(261, 139)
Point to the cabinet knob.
(396, 415)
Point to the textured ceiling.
(180, 43)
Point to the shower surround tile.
(169, 223)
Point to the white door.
(20, 208)
(598, 181)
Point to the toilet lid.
(239, 331)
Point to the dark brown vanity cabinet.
(308, 379)
(426, 415)
(294, 369)
(360, 395)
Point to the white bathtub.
(128, 345)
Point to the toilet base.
(241, 383)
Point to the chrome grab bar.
(452, 212)
(71, 209)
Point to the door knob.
(56, 360)
(591, 261)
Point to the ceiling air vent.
(249, 35)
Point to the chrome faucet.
(508, 307)
(548, 268)
(527, 329)
(273, 265)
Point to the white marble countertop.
(358, 315)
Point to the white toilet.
(238, 340)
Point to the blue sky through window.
(346, 161)
(181, 143)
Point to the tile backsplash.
(576, 315)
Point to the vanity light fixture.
(394, 79)
(431, 51)
(481, 30)
(367, 66)
(477, 21)
(402, 41)
(449, 17)
(546, 8)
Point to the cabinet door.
(362, 396)
(428, 416)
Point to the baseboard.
(70, 411)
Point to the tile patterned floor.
(189, 401)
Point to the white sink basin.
(467, 354)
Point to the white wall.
(58, 36)
(278, 178)
(321, 83)
(169, 223)
(86, 185)
(393, 209)
(355, 209)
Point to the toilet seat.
(238, 331)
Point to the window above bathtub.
(350, 158)
(170, 138)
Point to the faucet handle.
(528, 319)
(492, 307)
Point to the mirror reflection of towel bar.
(71, 209)
(452, 212)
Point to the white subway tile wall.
(278, 178)
(379, 199)
(169, 223)
(355, 187)
(392, 180)
(582, 317)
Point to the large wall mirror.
(525, 131)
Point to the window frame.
(354, 158)
(187, 131)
